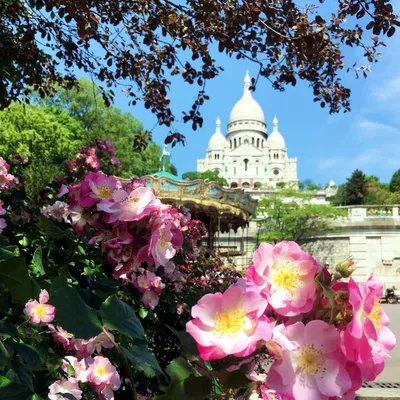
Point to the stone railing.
(372, 211)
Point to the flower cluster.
(83, 367)
(97, 371)
(325, 337)
(7, 181)
(132, 226)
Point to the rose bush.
(100, 278)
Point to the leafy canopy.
(394, 184)
(210, 175)
(289, 215)
(140, 45)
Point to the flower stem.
(126, 362)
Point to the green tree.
(289, 215)
(394, 184)
(377, 192)
(355, 189)
(210, 175)
(338, 199)
(87, 106)
(47, 136)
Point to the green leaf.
(37, 263)
(24, 377)
(143, 360)
(143, 312)
(232, 380)
(10, 390)
(8, 330)
(121, 317)
(8, 252)
(328, 292)
(14, 274)
(184, 384)
(73, 314)
(179, 369)
(188, 344)
(28, 353)
(197, 387)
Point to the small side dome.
(217, 141)
(276, 140)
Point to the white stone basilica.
(247, 156)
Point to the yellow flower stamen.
(104, 192)
(311, 360)
(230, 322)
(286, 277)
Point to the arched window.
(258, 142)
(262, 144)
(252, 141)
(234, 185)
(234, 168)
(230, 143)
(246, 163)
(234, 143)
(240, 141)
(257, 164)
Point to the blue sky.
(326, 146)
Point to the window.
(234, 168)
(246, 142)
(252, 141)
(240, 141)
(234, 143)
(276, 156)
(276, 171)
(262, 144)
(246, 163)
(234, 185)
(230, 143)
(257, 164)
(258, 142)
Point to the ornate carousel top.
(226, 208)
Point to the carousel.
(222, 210)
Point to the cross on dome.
(247, 82)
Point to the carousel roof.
(231, 208)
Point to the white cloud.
(367, 128)
(388, 90)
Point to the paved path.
(391, 373)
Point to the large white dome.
(217, 141)
(276, 140)
(247, 108)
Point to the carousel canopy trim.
(204, 195)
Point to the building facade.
(246, 155)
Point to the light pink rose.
(315, 371)
(40, 312)
(96, 187)
(101, 371)
(367, 340)
(229, 323)
(69, 386)
(287, 277)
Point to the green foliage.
(46, 136)
(210, 175)
(355, 188)
(86, 105)
(143, 360)
(377, 192)
(14, 274)
(393, 198)
(289, 215)
(394, 184)
(73, 315)
(118, 315)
